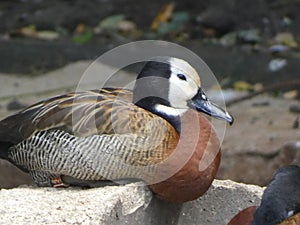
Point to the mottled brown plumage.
(154, 133)
(94, 112)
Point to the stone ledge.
(117, 205)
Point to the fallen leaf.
(111, 22)
(229, 39)
(126, 26)
(28, 31)
(48, 35)
(249, 36)
(286, 38)
(80, 28)
(258, 87)
(277, 64)
(180, 17)
(32, 32)
(209, 32)
(176, 23)
(242, 86)
(278, 48)
(163, 15)
(83, 37)
(290, 94)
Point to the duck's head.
(170, 86)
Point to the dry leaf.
(83, 37)
(163, 15)
(127, 26)
(111, 22)
(286, 39)
(48, 35)
(29, 31)
(242, 86)
(209, 32)
(277, 64)
(290, 94)
(80, 28)
(32, 32)
(258, 87)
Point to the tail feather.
(6, 138)
(4, 148)
(10, 133)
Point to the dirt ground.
(253, 41)
(238, 39)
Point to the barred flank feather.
(87, 158)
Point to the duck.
(158, 132)
(280, 204)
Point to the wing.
(105, 111)
(101, 121)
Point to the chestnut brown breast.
(198, 141)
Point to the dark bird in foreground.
(280, 203)
(154, 133)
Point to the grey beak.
(201, 103)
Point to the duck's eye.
(181, 76)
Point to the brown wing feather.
(105, 111)
(149, 138)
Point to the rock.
(128, 204)
(218, 18)
(277, 64)
(251, 36)
(295, 108)
(259, 104)
(229, 39)
(296, 123)
(11, 176)
(261, 140)
(278, 48)
(15, 104)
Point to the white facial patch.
(169, 110)
(290, 213)
(180, 91)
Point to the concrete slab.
(129, 204)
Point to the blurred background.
(251, 46)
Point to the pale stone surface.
(32, 205)
(261, 140)
(129, 204)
